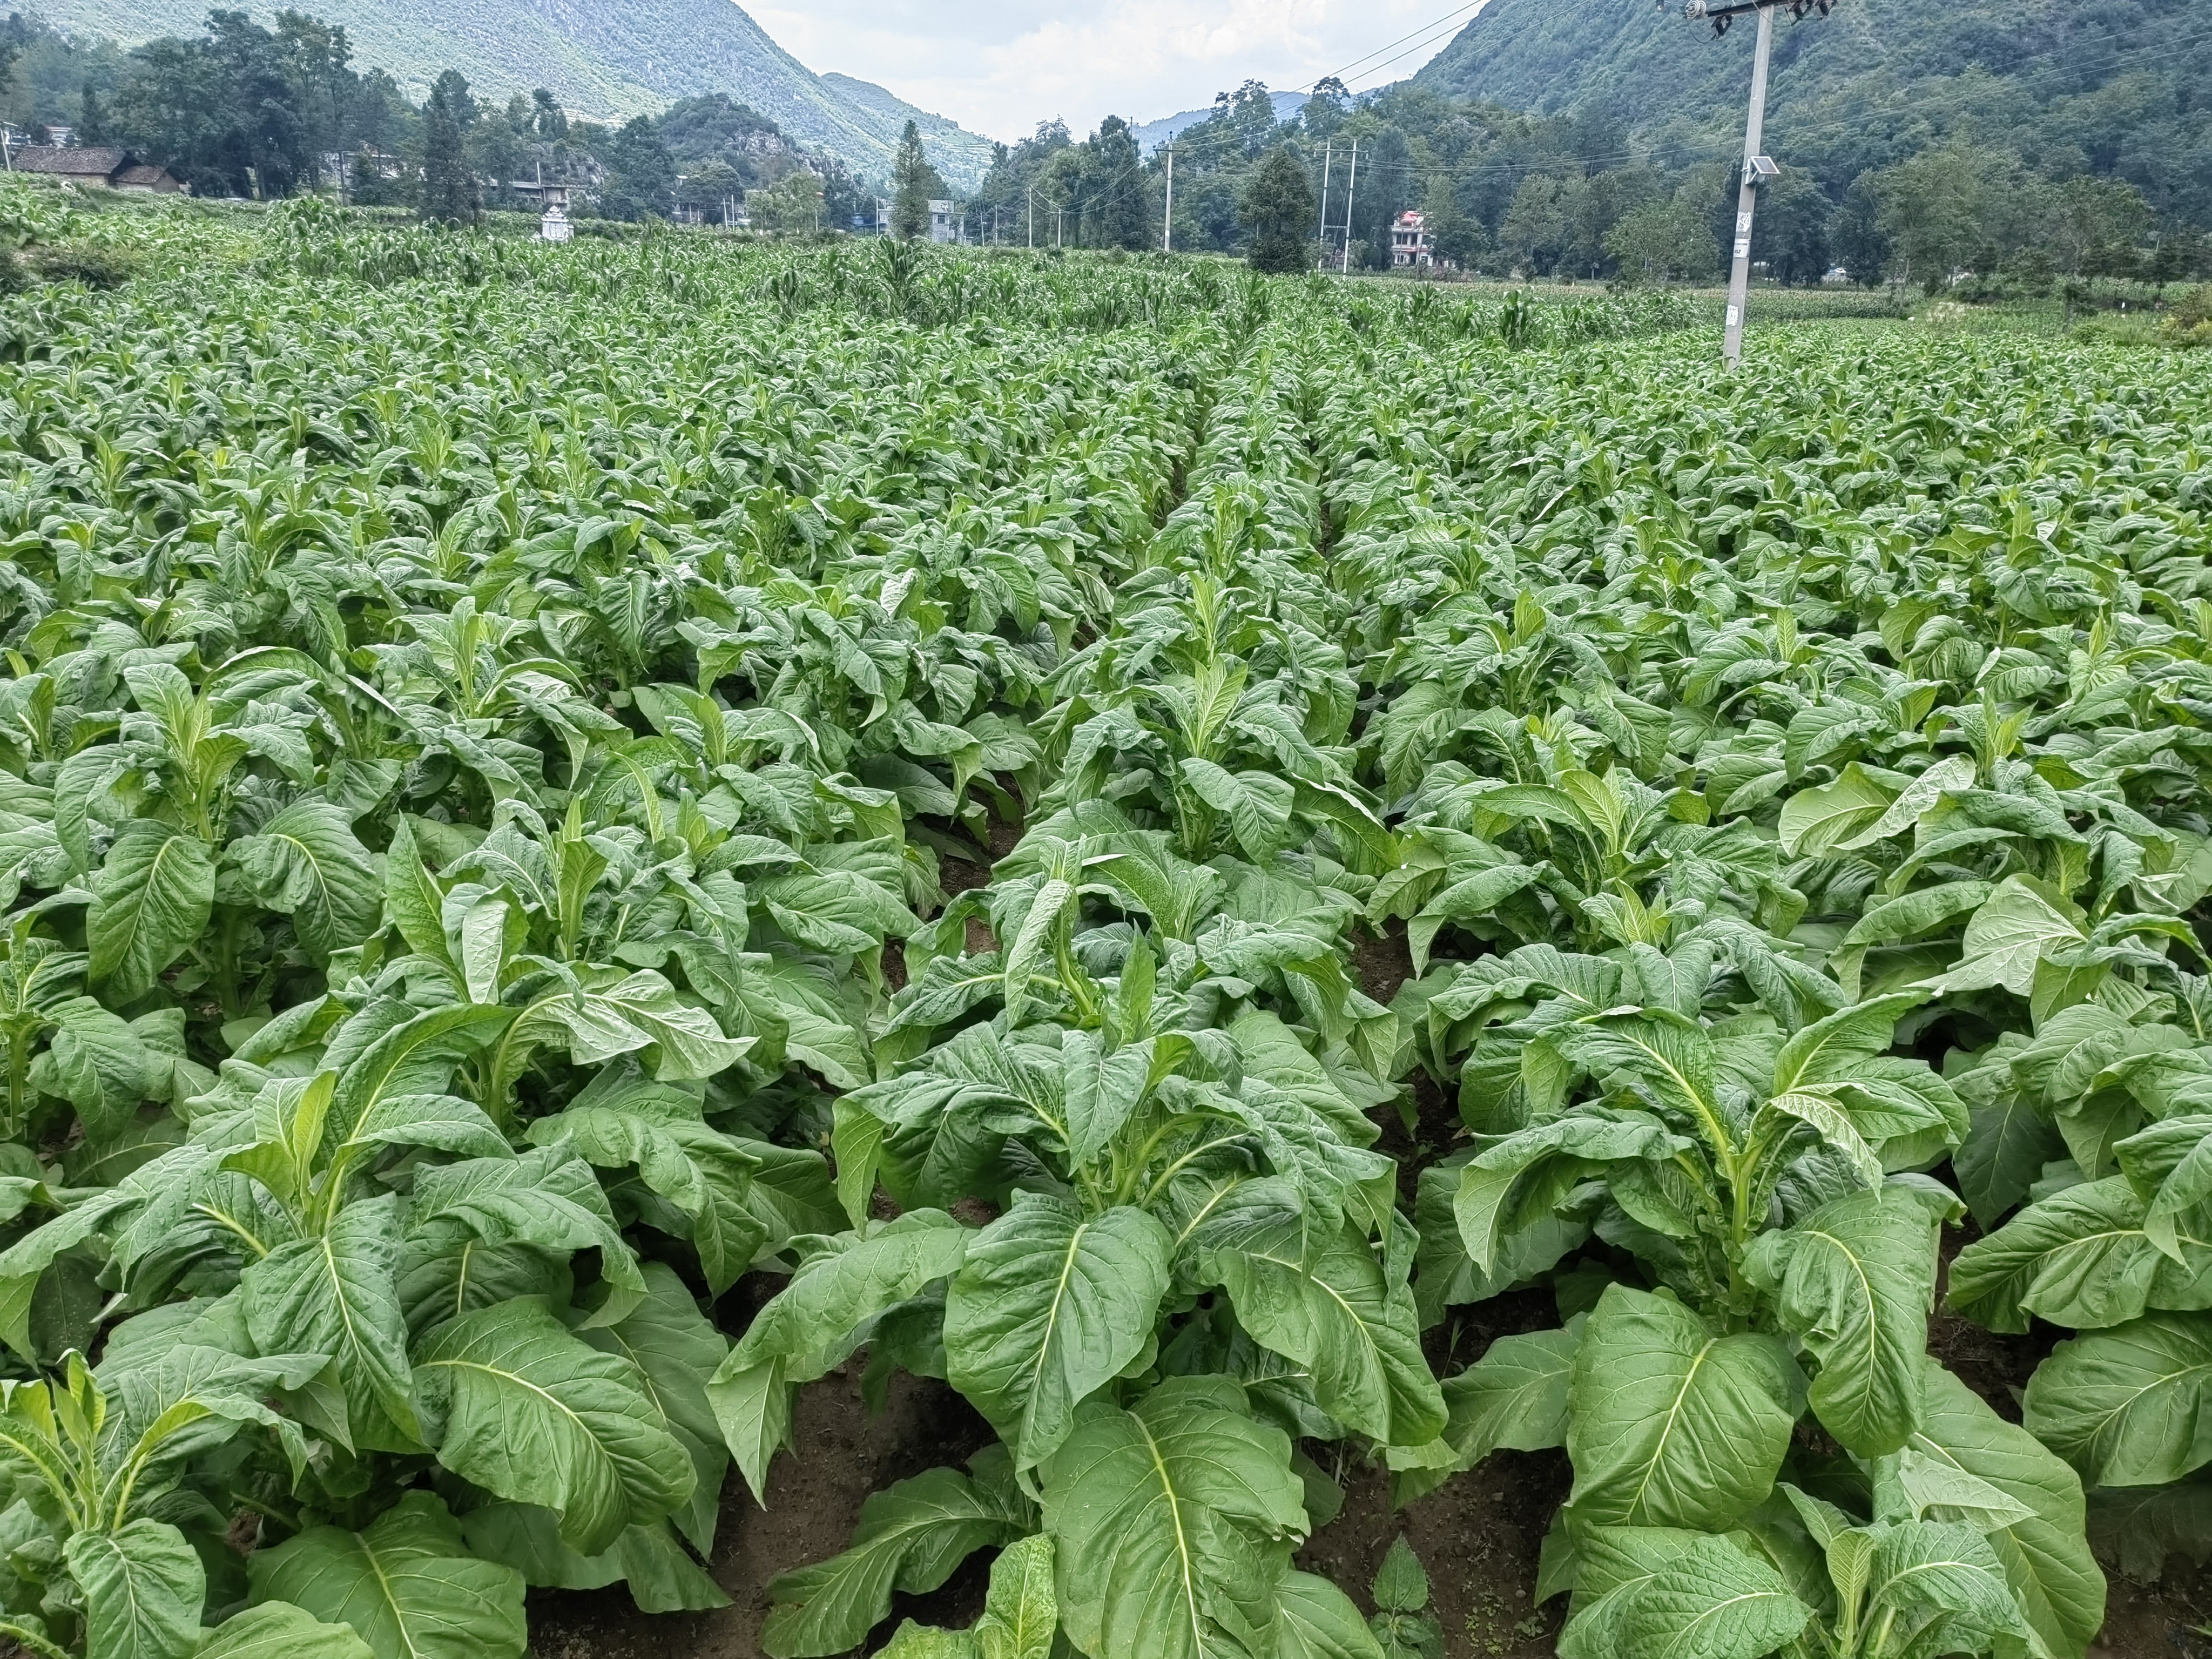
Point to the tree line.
(241, 110)
(244, 110)
(1504, 191)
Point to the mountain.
(605, 58)
(1153, 134)
(2115, 86)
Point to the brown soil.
(2156, 1621)
(1477, 1535)
(814, 1497)
(1382, 965)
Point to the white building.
(553, 224)
(943, 226)
(1409, 240)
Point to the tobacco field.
(598, 838)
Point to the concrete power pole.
(1166, 219)
(1350, 190)
(1757, 167)
(1032, 197)
(1326, 148)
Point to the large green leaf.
(415, 1056)
(2128, 1406)
(687, 1040)
(816, 1321)
(1021, 1613)
(700, 1170)
(143, 1588)
(2008, 1142)
(1514, 1397)
(1947, 1583)
(548, 1197)
(1313, 1620)
(1819, 820)
(2079, 1258)
(1258, 804)
(277, 1630)
(1669, 1056)
(1319, 1296)
(911, 1536)
(96, 1062)
(2005, 939)
(1830, 1050)
(1168, 1518)
(1687, 1596)
(1472, 897)
(675, 1349)
(516, 1402)
(1854, 1282)
(307, 863)
(338, 1294)
(1049, 1305)
(153, 899)
(2045, 1557)
(1668, 1423)
(1101, 1090)
(406, 1583)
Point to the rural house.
(101, 167)
(943, 226)
(1409, 240)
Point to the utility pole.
(1032, 196)
(1166, 219)
(1757, 167)
(1326, 149)
(1351, 191)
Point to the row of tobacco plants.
(496, 770)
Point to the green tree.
(1791, 233)
(1660, 242)
(640, 181)
(1277, 209)
(1856, 236)
(2092, 222)
(225, 111)
(1540, 224)
(793, 202)
(912, 179)
(1121, 213)
(1960, 206)
(1324, 110)
(495, 152)
(549, 118)
(1458, 238)
(449, 189)
(707, 185)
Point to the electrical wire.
(2100, 64)
(1455, 13)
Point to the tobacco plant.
(598, 836)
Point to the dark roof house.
(94, 166)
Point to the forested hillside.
(2120, 86)
(614, 58)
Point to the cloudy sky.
(1000, 67)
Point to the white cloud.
(999, 68)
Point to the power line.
(1860, 123)
(2121, 55)
(1457, 12)
(1419, 45)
